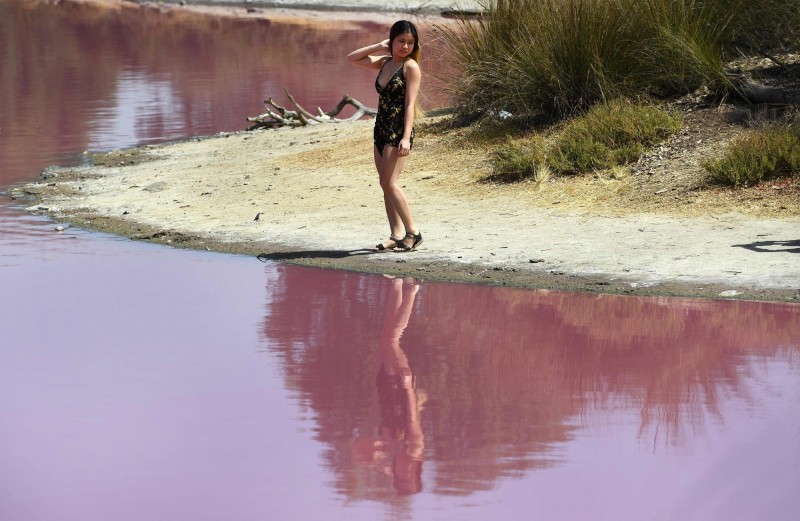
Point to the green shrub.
(559, 57)
(581, 153)
(768, 153)
(609, 135)
(551, 56)
(517, 160)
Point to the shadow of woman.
(397, 450)
(772, 246)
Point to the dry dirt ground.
(310, 196)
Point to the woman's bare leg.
(395, 223)
(398, 211)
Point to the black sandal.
(401, 246)
(383, 247)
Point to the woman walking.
(397, 83)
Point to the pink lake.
(139, 382)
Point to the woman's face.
(402, 45)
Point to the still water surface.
(141, 382)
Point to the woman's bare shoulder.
(411, 63)
(411, 68)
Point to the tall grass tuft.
(764, 154)
(559, 57)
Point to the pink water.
(142, 382)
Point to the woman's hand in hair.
(372, 56)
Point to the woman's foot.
(410, 242)
(391, 244)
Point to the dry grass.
(668, 180)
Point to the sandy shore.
(310, 196)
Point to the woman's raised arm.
(370, 56)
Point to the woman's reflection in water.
(397, 449)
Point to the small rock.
(158, 186)
(59, 228)
(535, 261)
(729, 293)
(49, 172)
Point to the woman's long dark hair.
(403, 27)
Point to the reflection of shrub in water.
(665, 357)
(509, 373)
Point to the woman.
(398, 82)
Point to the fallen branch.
(757, 93)
(283, 110)
(281, 116)
(361, 109)
(303, 113)
(279, 120)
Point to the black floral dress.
(390, 120)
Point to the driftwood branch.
(284, 112)
(361, 109)
(281, 116)
(303, 113)
(283, 119)
(757, 93)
